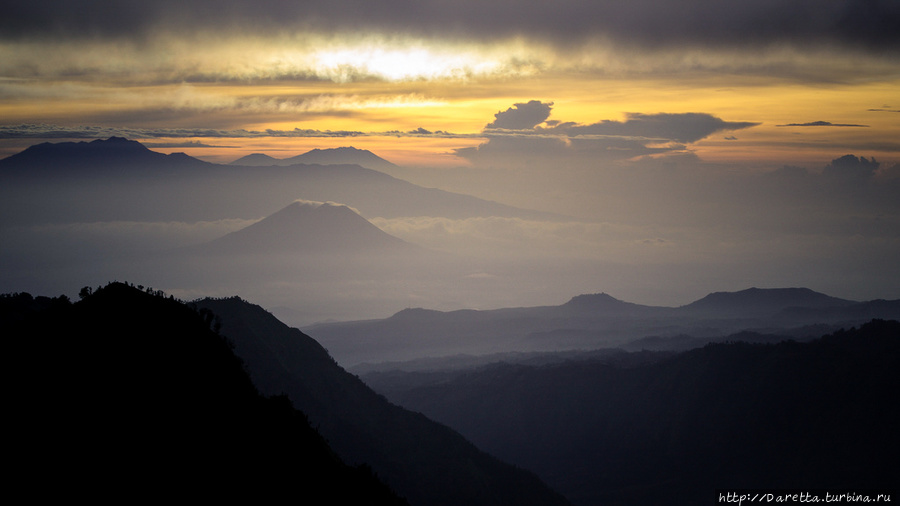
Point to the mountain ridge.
(138, 184)
(49, 156)
(589, 321)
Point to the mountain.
(83, 158)
(334, 156)
(672, 429)
(590, 322)
(310, 227)
(592, 305)
(761, 302)
(256, 160)
(121, 180)
(128, 393)
(423, 461)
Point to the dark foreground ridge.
(128, 394)
(130, 390)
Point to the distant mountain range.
(335, 156)
(594, 321)
(119, 179)
(661, 428)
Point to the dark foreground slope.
(821, 414)
(127, 395)
(428, 463)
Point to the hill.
(425, 462)
(672, 429)
(130, 393)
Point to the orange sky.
(381, 88)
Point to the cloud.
(522, 116)
(516, 136)
(28, 131)
(822, 123)
(681, 127)
(868, 24)
(44, 131)
(188, 144)
(850, 166)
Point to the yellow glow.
(396, 64)
(378, 85)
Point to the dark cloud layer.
(527, 119)
(684, 127)
(850, 166)
(650, 23)
(524, 132)
(522, 116)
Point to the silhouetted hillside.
(128, 395)
(793, 415)
(425, 462)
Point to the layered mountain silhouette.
(595, 321)
(65, 158)
(128, 393)
(119, 179)
(305, 227)
(335, 156)
(658, 428)
(425, 462)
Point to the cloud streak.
(42, 131)
(822, 124)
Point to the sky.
(705, 132)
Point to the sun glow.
(401, 64)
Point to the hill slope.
(425, 462)
(127, 392)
